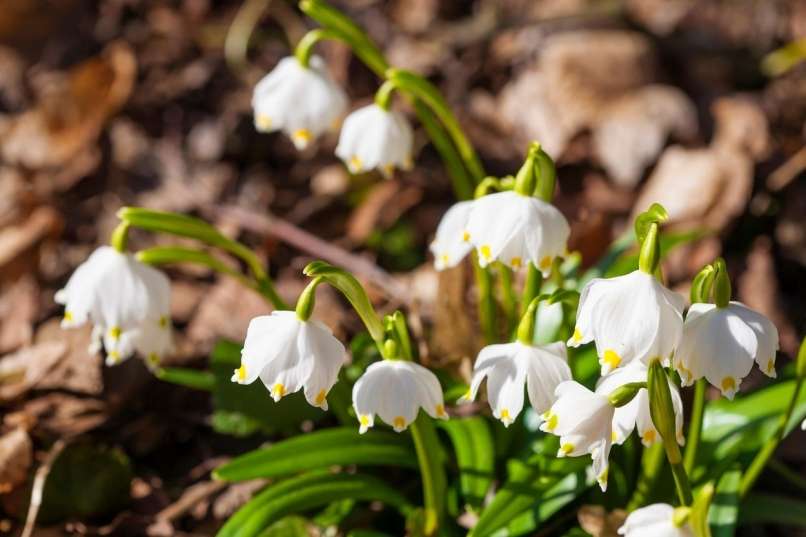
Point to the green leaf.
(290, 526)
(190, 378)
(85, 481)
(475, 456)
(771, 509)
(568, 489)
(528, 487)
(321, 449)
(300, 494)
(699, 511)
(724, 512)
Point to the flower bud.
(625, 393)
(702, 284)
(546, 174)
(722, 288)
(662, 410)
(525, 180)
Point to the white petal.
(267, 337)
(452, 242)
(317, 342)
(547, 367)
(372, 137)
(766, 334)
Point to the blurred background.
(690, 103)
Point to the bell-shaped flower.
(395, 390)
(372, 137)
(452, 241)
(128, 303)
(516, 229)
(631, 317)
(657, 520)
(303, 102)
(583, 421)
(289, 354)
(635, 414)
(721, 345)
(508, 367)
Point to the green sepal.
(656, 214)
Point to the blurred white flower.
(302, 102)
(509, 366)
(583, 421)
(635, 414)
(516, 229)
(395, 390)
(452, 241)
(127, 302)
(375, 138)
(631, 317)
(721, 344)
(289, 354)
(656, 520)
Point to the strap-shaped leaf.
(531, 487)
(773, 509)
(321, 449)
(475, 456)
(724, 512)
(306, 492)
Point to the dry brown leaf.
(598, 522)
(19, 308)
(386, 202)
(59, 414)
(741, 126)
(78, 370)
(71, 114)
(235, 496)
(700, 188)
(632, 131)
(19, 244)
(16, 456)
(24, 369)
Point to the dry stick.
(39, 487)
(289, 233)
(787, 172)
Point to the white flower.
(375, 138)
(516, 229)
(721, 344)
(583, 421)
(656, 520)
(452, 241)
(631, 317)
(127, 302)
(507, 367)
(395, 390)
(635, 414)
(302, 102)
(289, 354)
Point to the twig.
(313, 245)
(788, 171)
(39, 487)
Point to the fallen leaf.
(19, 308)
(16, 456)
(598, 522)
(58, 414)
(70, 115)
(632, 131)
(19, 243)
(24, 369)
(78, 370)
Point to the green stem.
(120, 237)
(754, 470)
(428, 448)
(430, 95)
(681, 481)
(531, 288)
(508, 301)
(383, 97)
(695, 426)
(651, 464)
(304, 49)
(486, 300)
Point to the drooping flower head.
(303, 102)
(375, 138)
(721, 344)
(395, 390)
(289, 354)
(127, 302)
(509, 366)
(452, 241)
(635, 414)
(583, 421)
(516, 229)
(631, 317)
(657, 520)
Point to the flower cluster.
(304, 102)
